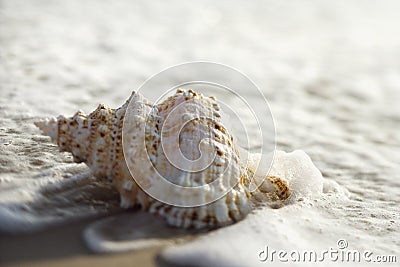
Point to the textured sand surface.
(330, 70)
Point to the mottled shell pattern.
(97, 139)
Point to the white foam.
(296, 168)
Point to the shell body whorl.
(186, 130)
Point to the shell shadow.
(130, 231)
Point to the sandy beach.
(329, 70)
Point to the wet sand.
(63, 246)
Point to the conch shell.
(182, 132)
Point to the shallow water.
(330, 71)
